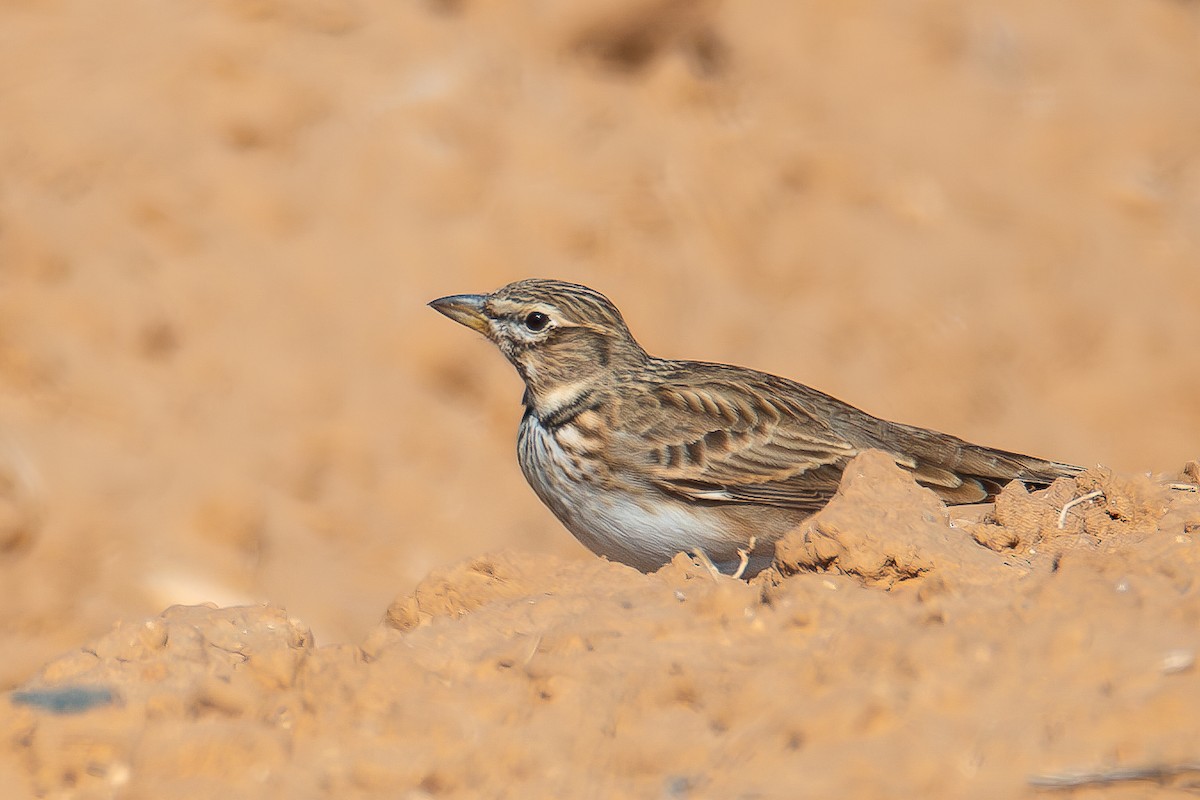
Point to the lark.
(642, 458)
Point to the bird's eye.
(536, 321)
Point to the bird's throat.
(559, 404)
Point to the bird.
(642, 458)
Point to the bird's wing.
(731, 441)
(739, 436)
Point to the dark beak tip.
(445, 305)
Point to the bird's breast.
(613, 512)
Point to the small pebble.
(1176, 661)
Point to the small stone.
(1176, 661)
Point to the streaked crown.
(566, 303)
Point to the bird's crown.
(559, 303)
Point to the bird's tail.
(962, 473)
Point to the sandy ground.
(220, 222)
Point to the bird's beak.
(466, 309)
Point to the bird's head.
(556, 334)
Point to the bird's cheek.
(528, 363)
(514, 352)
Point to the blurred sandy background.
(220, 222)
